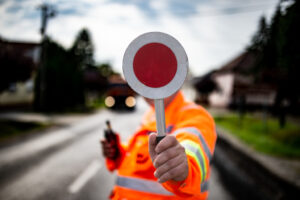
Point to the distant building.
(19, 92)
(234, 85)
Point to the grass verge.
(264, 135)
(12, 129)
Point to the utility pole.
(47, 12)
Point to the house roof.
(30, 50)
(18, 44)
(242, 63)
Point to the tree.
(106, 70)
(64, 88)
(69, 73)
(83, 49)
(260, 39)
(278, 48)
(283, 53)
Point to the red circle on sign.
(155, 65)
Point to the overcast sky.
(211, 31)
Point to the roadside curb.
(252, 175)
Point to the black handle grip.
(159, 138)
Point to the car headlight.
(130, 101)
(109, 101)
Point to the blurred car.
(120, 96)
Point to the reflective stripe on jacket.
(194, 128)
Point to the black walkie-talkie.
(111, 137)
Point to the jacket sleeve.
(123, 148)
(195, 131)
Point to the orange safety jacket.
(194, 128)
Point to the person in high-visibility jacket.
(178, 167)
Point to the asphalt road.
(77, 170)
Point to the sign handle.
(160, 119)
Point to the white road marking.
(85, 176)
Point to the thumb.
(152, 145)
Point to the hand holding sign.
(155, 65)
(169, 159)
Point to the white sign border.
(182, 65)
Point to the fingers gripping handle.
(160, 119)
(159, 138)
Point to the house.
(234, 85)
(18, 61)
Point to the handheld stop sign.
(155, 65)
